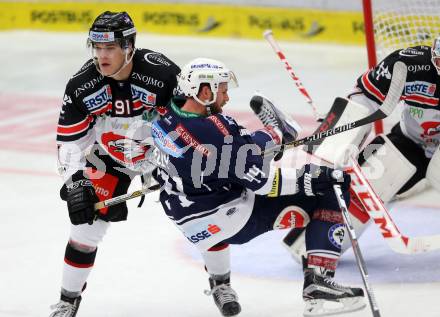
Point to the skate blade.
(321, 307)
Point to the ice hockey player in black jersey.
(406, 159)
(219, 190)
(105, 118)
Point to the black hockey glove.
(80, 197)
(315, 180)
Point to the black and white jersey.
(116, 115)
(420, 120)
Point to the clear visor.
(93, 48)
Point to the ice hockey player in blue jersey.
(219, 190)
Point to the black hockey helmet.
(113, 27)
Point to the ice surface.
(145, 267)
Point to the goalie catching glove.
(80, 196)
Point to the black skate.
(66, 307)
(224, 296)
(269, 115)
(324, 297)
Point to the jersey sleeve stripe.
(371, 88)
(74, 128)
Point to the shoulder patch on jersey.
(382, 71)
(66, 100)
(155, 58)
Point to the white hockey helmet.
(204, 70)
(435, 54)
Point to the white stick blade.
(396, 88)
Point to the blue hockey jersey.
(211, 169)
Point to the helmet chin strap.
(207, 103)
(127, 61)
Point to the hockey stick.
(389, 104)
(119, 199)
(379, 214)
(357, 250)
(268, 35)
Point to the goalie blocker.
(387, 169)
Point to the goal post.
(396, 24)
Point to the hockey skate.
(224, 296)
(269, 115)
(324, 297)
(66, 307)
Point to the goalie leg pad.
(339, 147)
(386, 168)
(433, 172)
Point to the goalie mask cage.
(396, 24)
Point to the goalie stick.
(268, 35)
(379, 214)
(389, 104)
(357, 250)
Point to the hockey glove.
(315, 180)
(81, 198)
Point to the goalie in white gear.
(402, 162)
